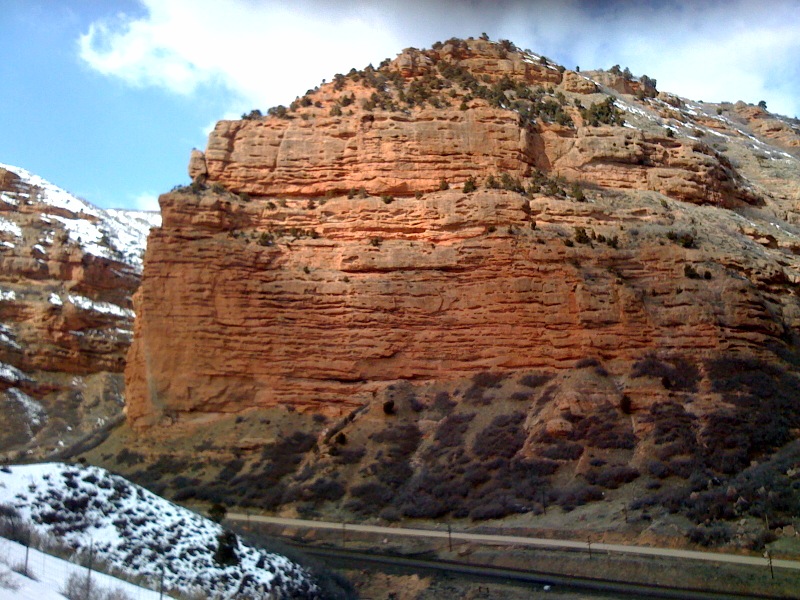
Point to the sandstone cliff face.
(68, 272)
(544, 265)
(354, 293)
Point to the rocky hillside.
(472, 282)
(68, 271)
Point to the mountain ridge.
(68, 271)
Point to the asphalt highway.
(513, 540)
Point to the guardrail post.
(589, 543)
(449, 537)
(769, 558)
(344, 530)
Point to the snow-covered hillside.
(115, 234)
(136, 531)
(50, 575)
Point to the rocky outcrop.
(615, 158)
(68, 273)
(449, 283)
(394, 153)
(412, 135)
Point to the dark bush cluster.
(762, 411)
(603, 429)
(451, 430)
(676, 373)
(612, 477)
(503, 437)
(535, 380)
(577, 495)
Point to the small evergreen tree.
(217, 512)
(227, 554)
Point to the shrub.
(442, 402)
(443, 185)
(326, 489)
(129, 457)
(451, 430)
(278, 111)
(714, 534)
(683, 239)
(577, 192)
(676, 373)
(562, 450)
(496, 509)
(612, 477)
(602, 431)
(503, 437)
(370, 497)
(487, 379)
(578, 495)
(690, 272)
(581, 236)
(469, 185)
(603, 112)
(217, 512)
(535, 380)
(657, 469)
(78, 584)
(226, 554)
(350, 456)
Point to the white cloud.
(263, 53)
(146, 201)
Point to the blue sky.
(106, 98)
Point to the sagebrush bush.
(502, 438)
(714, 534)
(612, 477)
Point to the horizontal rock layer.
(352, 294)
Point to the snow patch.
(8, 338)
(7, 226)
(7, 295)
(106, 308)
(11, 374)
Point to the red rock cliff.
(290, 274)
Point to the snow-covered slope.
(136, 531)
(68, 271)
(49, 576)
(114, 234)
